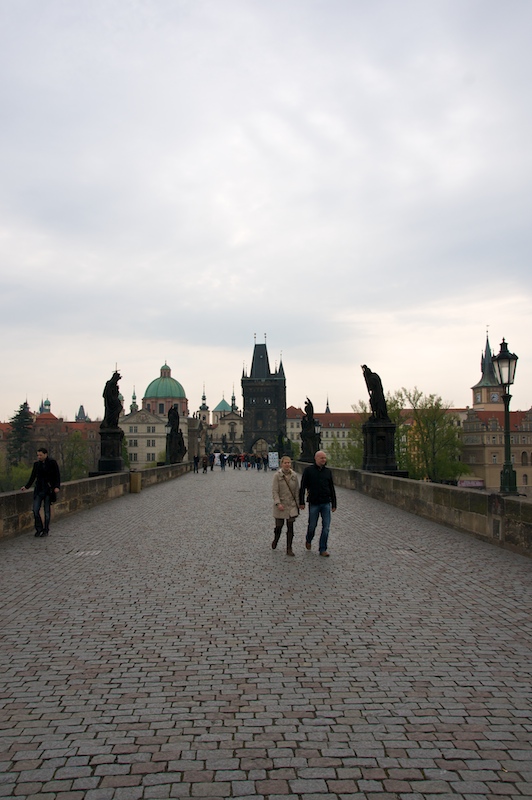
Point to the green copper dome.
(165, 386)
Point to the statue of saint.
(113, 404)
(310, 439)
(175, 443)
(377, 400)
(173, 419)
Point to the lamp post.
(504, 365)
(317, 431)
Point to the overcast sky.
(352, 179)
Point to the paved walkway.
(156, 647)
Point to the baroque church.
(145, 428)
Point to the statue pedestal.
(111, 450)
(379, 448)
(175, 448)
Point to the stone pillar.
(111, 450)
(379, 448)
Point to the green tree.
(395, 404)
(347, 454)
(74, 457)
(12, 478)
(18, 438)
(296, 449)
(434, 446)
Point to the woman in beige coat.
(285, 492)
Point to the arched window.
(525, 479)
(524, 459)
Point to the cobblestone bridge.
(156, 646)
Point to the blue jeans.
(38, 499)
(313, 514)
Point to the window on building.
(150, 456)
(525, 479)
(161, 408)
(133, 457)
(494, 458)
(133, 443)
(524, 459)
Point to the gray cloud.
(337, 173)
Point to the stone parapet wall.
(16, 514)
(154, 475)
(505, 521)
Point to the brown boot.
(276, 536)
(289, 540)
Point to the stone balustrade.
(16, 514)
(502, 520)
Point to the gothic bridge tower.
(264, 395)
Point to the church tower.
(264, 396)
(487, 393)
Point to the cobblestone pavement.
(156, 646)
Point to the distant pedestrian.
(45, 474)
(285, 489)
(196, 463)
(204, 463)
(317, 482)
(211, 461)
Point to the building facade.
(333, 426)
(483, 434)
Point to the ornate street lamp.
(504, 365)
(317, 431)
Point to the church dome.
(165, 386)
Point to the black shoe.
(38, 533)
(43, 533)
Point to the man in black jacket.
(47, 479)
(317, 481)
